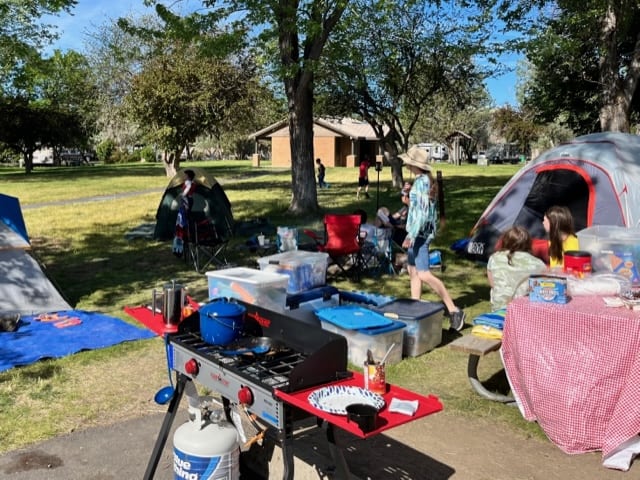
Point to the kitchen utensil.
(364, 415)
(384, 359)
(254, 346)
(221, 321)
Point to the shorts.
(363, 182)
(418, 254)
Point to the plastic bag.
(598, 284)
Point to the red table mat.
(154, 322)
(427, 405)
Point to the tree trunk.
(618, 89)
(614, 115)
(171, 163)
(303, 184)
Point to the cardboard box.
(266, 289)
(548, 289)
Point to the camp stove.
(250, 379)
(304, 359)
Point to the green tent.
(209, 203)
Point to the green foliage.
(584, 66)
(105, 150)
(147, 154)
(22, 35)
(391, 74)
(181, 95)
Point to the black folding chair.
(206, 242)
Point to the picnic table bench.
(478, 347)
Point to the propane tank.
(207, 447)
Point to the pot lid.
(222, 307)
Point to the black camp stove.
(307, 357)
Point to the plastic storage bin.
(423, 320)
(613, 249)
(265, 289)
(306, 270)
(303, 306)
(378, 338)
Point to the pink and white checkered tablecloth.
(575, 369)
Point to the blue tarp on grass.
(63, 333)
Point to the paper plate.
(336, 399)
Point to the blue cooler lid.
(352, 317)
(409, 309)
(395, 325)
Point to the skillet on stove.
(254, 346)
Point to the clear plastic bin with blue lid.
(364, 330)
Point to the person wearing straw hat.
(422, 219)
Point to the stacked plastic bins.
(364, 330)
(305, 270)
(266, 289)
(423, 321)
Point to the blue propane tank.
(206, 449)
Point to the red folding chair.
(343, 243)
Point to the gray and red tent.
(597, 176)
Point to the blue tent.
(11, 217)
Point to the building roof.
(345, 127)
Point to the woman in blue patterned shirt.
(422, 220)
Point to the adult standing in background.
(363, 177)
(422, 220)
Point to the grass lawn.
(83, 248)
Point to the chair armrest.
(313, 236)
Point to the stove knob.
(245, 396)
(191, 367)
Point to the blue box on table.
(548, 289)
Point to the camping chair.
(206, 242)
(343, 243)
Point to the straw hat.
(418, 157)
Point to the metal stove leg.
(166, 426)
(342, 469)
(286, 443)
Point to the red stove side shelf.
(386, 419)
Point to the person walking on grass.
(321, 171)
(363, 177)
(422, 220)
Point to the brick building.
(338, 143)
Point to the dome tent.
(209, 202)
(596, 176)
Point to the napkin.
(406, 407)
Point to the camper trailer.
(438, 152)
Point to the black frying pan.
(254, 346)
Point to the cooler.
(364, 330)
(266, 289)
(306, 270)
(423, 320)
